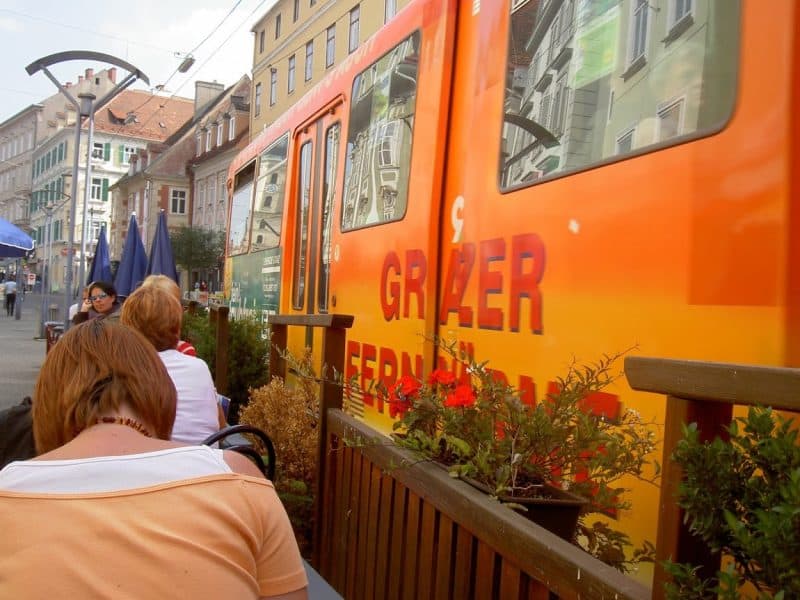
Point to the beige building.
(123, 126)
(298, 41)
(160, 177)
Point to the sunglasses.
(98, 297)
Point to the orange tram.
(538, 180)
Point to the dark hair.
(103, 285)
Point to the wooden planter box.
(394, 527)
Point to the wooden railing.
(702, 393)
(389, 527)
(218, 319)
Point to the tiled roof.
(144, 115)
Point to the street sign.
(31, 278)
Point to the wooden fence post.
(221, 332)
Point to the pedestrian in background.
(11, 296)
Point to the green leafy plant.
(290, 416)
(480, 427)
(248, 354)
(742, 498)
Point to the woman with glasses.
(101, 303)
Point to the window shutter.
(120, 154)
(105, 189)
(106, 151)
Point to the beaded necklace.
(127, 422)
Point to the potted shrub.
(741, 497)
(482, 431)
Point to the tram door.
(316, 147)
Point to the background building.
(128, 122)
(298, 41)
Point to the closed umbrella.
(101, 262)
(133, 264)
(161, 260)
(14, 243)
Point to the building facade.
(219, 136)
(298, 41)
(17, 141)
(161, 176)
(128, 122)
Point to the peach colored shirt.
(218, 536)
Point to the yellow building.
(298, 41)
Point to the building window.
(257, 101)
(178, 202)
(232, 128)
(261, 41)
(199, 144)
(273, 87)
(312, 2)
(277, 26)
(638, 30)
(290, 75)
(127, 152)
(669, 121)
(625, 142)
(354, 18)
(390, 10)
(220, 128)
(97, 188)
(680, 10)
(208, 138)
(330, 46)
(309, 59)
(97, 150)
(296, 11)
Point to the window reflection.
(588, 80)
(379, 138)
(270, 187)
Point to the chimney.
(89, 73)
(112, 74)
(68, 84)
(80, 78)
(205, 92)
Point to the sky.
(152, 35)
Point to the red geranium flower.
(406, 387)
(442, 377)
(461, 396)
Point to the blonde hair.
(156, 314)
(164, 283)
(93, 370)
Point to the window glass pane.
(240, 211)
(328, 194)
(378, 157)
(301, 235)
(583, 75)
(270, 187)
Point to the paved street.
(21, 354)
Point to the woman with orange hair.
(112, 508)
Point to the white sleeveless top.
(112, 473)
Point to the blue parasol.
(101, 262)
(133, 264)
(161, 259)
(14, 243)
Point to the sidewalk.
(21, 354)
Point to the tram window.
(378, 159)
(671, 75)
(328, 193)
(301, 234)
(270, 187)
(240, 211)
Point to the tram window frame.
(726, 94)
(239, 184)
(348, 223)
(329, 171)
(301, 218)
(278, 176)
